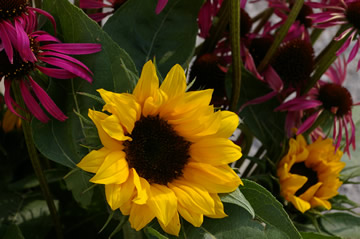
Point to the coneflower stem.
(235, 53)
(35, 161)
(281, 34)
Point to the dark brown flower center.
(19, 68)
(156, 151)
(294, 62)
(245, 23)
(301, 169)
(336, 99)
(258, 48)
(208, 73)
(302, 16)
(353, 14)
(12, 8)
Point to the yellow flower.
(165, 152)
(309, 174)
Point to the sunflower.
(309, 174)
(165, 152)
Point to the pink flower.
(326, 96)
(347, 13)
(98, 4)
(51, 57)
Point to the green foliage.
(268, 209)
(313, 235)
(238, 198)
(168, 37)
(341, 224)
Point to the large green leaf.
(268, 208)
(169, 37)
(113, 70)
(238, 198)
(341, 224)
(313, 235)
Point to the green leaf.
(313, 235)
(169, 37)
(13, 232)
(152, 233)
(341, 224)
(238, 198)
(77, 182)
(268, 209)
(113, 70)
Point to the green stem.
(235, 52)
(36, 163)
(281, 34)
(264, 16)
(315, 35)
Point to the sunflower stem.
(36, 163)
(281, 34)
(235, 53)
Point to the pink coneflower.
(16, 18)
(51, 58)
(114, 5)
(342, 12)
(332, 97)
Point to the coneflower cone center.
(294, 62)
(12, 8)
(301, 169)
(336, 99)
(19, 68)
(353, 14)
(156, 151)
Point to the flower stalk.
(235, 52)
(36, 163)
(281, 34)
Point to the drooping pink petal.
(73, 48)
(97, 17)
(347, 142)
(65, 57)
(44, 37)
(69, 66)
(273, 79)
(354, 51)
(47, 102)
(339, 136)
(6, 42)
(56, 73)
(31, 103)
(7, 97)
(23, 43)
(299, 103)
(308, 123)
(259, 100)
(93, 4)
(160, 6)
(344, 46)
(46, 14)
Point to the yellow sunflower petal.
(112, 193)
(93, 160)
(113, 128)
(293, 183)
(215, 151)
(152, 104)
(193, 100)
(124, 106)
(148, 83)
(310, 192)
(300, 204)
(142, 187)
(193, 197)
(219, 179)
(316, 202)
(115, 169)
(229, 123)
(110, 143)
(140, 216)
(195, 218)
(162, 202)
(174, 84)
(173, 227)
(219, 207)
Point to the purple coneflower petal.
(339, 136)
(31, 103)
(353, 129)
(308, 122)
(93, 4)
(259, 100)
(273, 79)
(73, 48)
(46, 101)
(6, 43)
(354, 51)
(344, 46)
(299, 103)
(160, 6)
(44, 37)
(97, 17)
(69, 66)
(23, 43)
(7, 97)
(65, 57)
(46, 14)
(56, 73)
